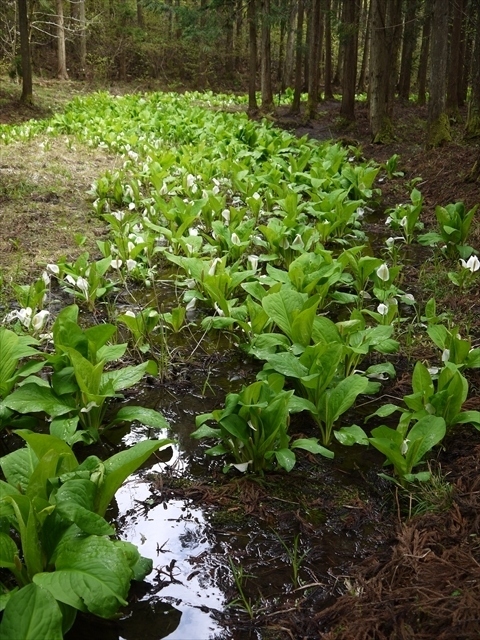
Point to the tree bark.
(454, 70)
(313, 60)
(328, 93)
(265, 60)
(287, 77)
(27, 85)
(472, 129)
(382, 69)
(295, 109)
(252, 66)
(83, 37)
(366, 45)
(409, 42)
(350, 40)
(438, 129)
(62, 73)
(424, 52)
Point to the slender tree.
(350, 39)
(328, 93)
(295, 109)
(472, 129)
(367, 17)
(313, 59)
(454, 61)
(252, 45)
(383, 56)
(27, 84)
(62, 73)
(438, 130)
(265, 59)
(408, 47)
(424, 53)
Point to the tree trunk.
(287, 79)
(313, 59)
(472, 129)
(455, 70)
(27, 85)
(62, 73)
(424, 51)
(409, 42)
(83, 37)
(239, 49)
(366, 46)
(328, 94)
(383, 57)
(298, 60)
(265, 60)
(140, 17)
(252, 66)
(349, 80)
(438, 130)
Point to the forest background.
(423, 51)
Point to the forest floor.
(414, 577)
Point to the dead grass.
(44, 203)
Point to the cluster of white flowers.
(27, 319)
(472, 264)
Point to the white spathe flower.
(82, 284)
(298, 243)
(445, 355)
(408, 297)
(404, 222)
(253, 262)
(391, 241)
(360, 212)
(119, 215)
(46, 278)
(215, 190)
(404, 447)
(382, 309)
(190, 306)
(236, 240)
(213, 266)
(116, 264)
(131, 264)
(472, 264)
(25, 316)
(190, 248)
(39, 320)
(383, 273)
(388, 221)
(53, 269)
(218, 309)
(190, 180)
(193, 231)
(129, 313)
(284, 243)
(70, 279)
(226, 215)
(242, 466)
(256, 196)
(130, 246)
(131, 206)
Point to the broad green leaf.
(343, 395)
(8, 552)
(349, 436)
(148, 417)
(204, 431)
(120, 466)
(12, 349)
(32, 398)
(31, 613)
(41, 443)
(285, 459)
(422, 380)
(91, 574)
(18, 466)
(283, 306)
(287, 364)
(140, 566)
(75, 501)
(125, 377)
(311, 445)
(430, 430)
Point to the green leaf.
(91, 574)
(311, 445)
(126, 377)
(422, 380)
(31, 613)
(349, 436)
(430, 430)
(344, 394)
(75, 501)
(32, 398)
(120, 466)
(285, 459)
(18, 466)
(148, 417)
(8, 552)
